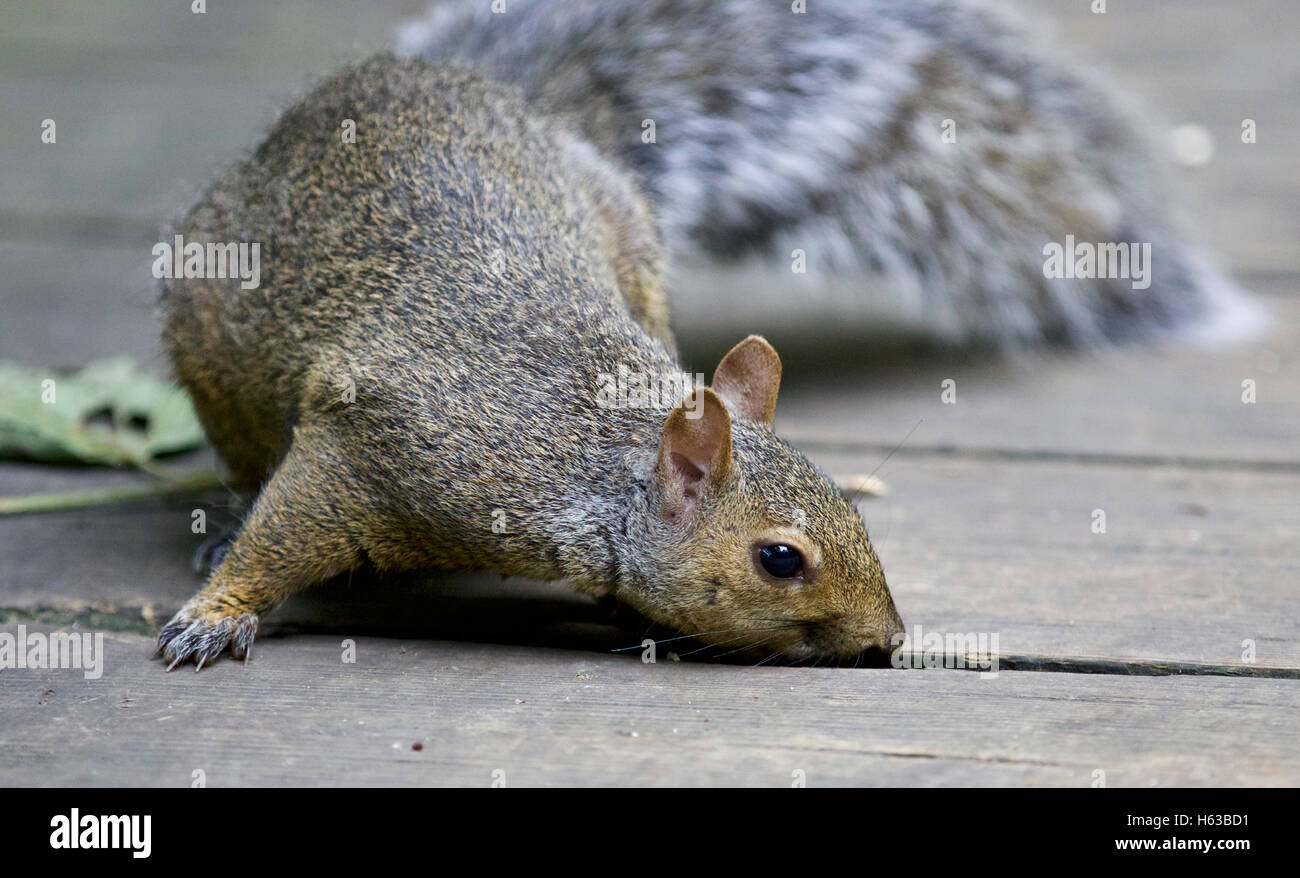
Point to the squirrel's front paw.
(203, 634)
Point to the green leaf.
(108, 413)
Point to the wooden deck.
(1122, 652)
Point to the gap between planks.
(1127, 667)
(138, 620)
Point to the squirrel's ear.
(694, 452)
(749, 377)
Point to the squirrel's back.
(453, 238)
(904, 160)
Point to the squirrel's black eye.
(781, 561)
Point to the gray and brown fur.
(470, 268)
(821, 131)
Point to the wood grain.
(297, 715)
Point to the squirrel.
(904, 164)
(414, 383)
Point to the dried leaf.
(110, 412)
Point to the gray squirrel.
(423, 379)
(420, 377)
(893, 162)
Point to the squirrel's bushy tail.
(908, 162)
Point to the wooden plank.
(298, 715)
(136, 151)
(151, 99)
(1213, 70)
(1192, 563)
(67, 304)
(1173, 42)
(1179, 403)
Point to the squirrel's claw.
(202, 636)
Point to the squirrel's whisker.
(774, 655)
(714, 645)
(684, 636)
(743, 648)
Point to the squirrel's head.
(750, 547)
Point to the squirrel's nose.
(883, 645)
(878, 643)
(871, 647)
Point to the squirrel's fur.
(821, 132)
(414, 384)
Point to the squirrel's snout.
(865, 645)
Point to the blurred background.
(150, 99)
